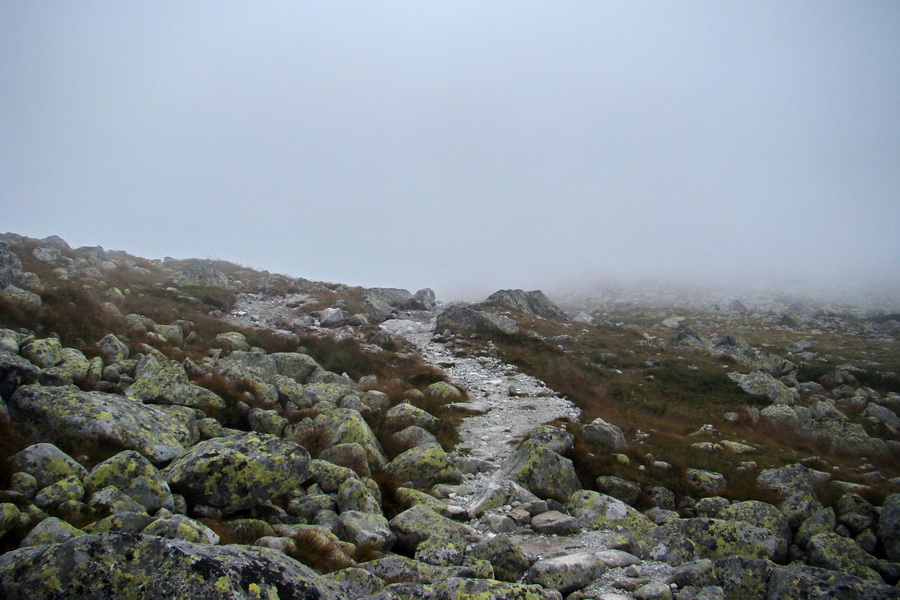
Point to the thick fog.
(466, 146)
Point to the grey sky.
(466, 146)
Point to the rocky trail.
(504, 404)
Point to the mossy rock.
(443, 391)
(295, 365)
(58, 492)
(166, 382)
(831, 551)
(123, 565)
(133, 474)
(601, 512)
(44, 353)
(506, 556)
(424, 467)
(420, 523)
(796, 582)
(237, 472)
(762, 514)
(46, 463)
(542, 471)
(459, 588)
(179, 527)
(50, 531)
(713, 539)
(406, 415)
(365, 530)
(97, 422)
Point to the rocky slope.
(195, 430)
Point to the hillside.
(195, 429)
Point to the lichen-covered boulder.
(599, 511)
(9, 517)
(566, 573)
(355, 495)
(76, 420)
(761, 514)
(295, 365)
(406, 415)
(45, 353)
(831, 551)
(506, 556)
(166, 382)
(461, 588)
(420, 523)
(542, 471)
(59, 492)
(201, 275)
(744, 578)
(603, 436)
(760, 383)
(48, 532)
(267, 421)
(705, 482)
(444, 391)
(46, 463)
(15, 372)
(424, 467)
(796, 582)
(795, 485)
(889, 527)
(329, 476)
(124, 565)
(114, 349)
(462, 318)
(713, 538)
(133, 474)
(180, 527)
(552, 438)
(829, 428)
(365, 530)
(238, 471)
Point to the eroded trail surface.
(512, 403)
(509, 405)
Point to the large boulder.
(534, 303)
(566, 573)
(201, 275)
(794, 483)
(10, 265)
(463, 588)
(166, 382)
(603, 437)
(424, 466)
(542, 471)
(601, 512)
(829, 428)
(295, 365)
(760, 383)
(462, 318)
(419, 523)
(889, 527)
(76, 420)
(132, 474)
(15, 372)
(686, 338)
(762, 514)
(123, 565)
(47, 464)
(239, 471)
(713, 539)
(796, 582)
(831, 551)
